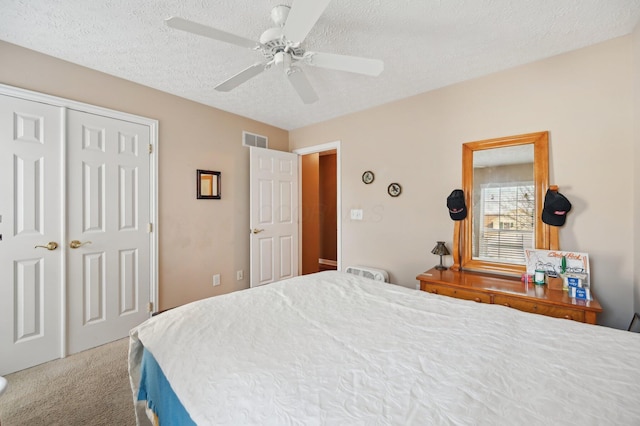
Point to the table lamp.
(441, 250)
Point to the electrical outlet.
(239, 275)
(216, 280)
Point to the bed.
(334, 348)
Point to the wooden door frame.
(330, 146)
(66, 104)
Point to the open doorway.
(319, 207)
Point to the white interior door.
(30, 216)
(109, 201)
(273, 217)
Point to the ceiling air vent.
(251, 139)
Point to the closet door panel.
(30, 232)
(108, 215)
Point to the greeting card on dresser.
(551, 261)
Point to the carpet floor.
(87, 388)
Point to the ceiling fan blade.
(301, 85)
(243, 76)
(203, 30)
(354, 64)
(302, 17)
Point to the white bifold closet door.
(82, 182)
(30, 216)
(108, 202)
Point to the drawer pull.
(507, 305)
(434, 291)
(477, 299)
(569, 317)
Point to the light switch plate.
(356, 214)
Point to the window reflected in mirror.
(503, 205)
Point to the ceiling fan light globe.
(282, 59)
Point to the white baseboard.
(328, 262)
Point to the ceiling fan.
(281, 47)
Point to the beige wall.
(197, 237)
(583, 98)
(636, 137)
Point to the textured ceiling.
(425, 44)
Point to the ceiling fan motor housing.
(273, 41)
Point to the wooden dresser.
(547, 300)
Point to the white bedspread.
(333, 348)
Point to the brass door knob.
(256, 230)
(76, 244)
(51, 245)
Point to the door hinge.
(150, 307)
(150, 148)
(150, 227)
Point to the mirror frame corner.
(540, 141)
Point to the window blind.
(507, 222)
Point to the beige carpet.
(88, 388)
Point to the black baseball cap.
(456, 205)
(556, 207)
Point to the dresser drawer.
(537, 307)
(444, 290)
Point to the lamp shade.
(440, 249)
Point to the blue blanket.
(158, 394)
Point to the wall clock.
(367, 177)
(394, 189)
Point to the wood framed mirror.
(208, 185)
(504, 182)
